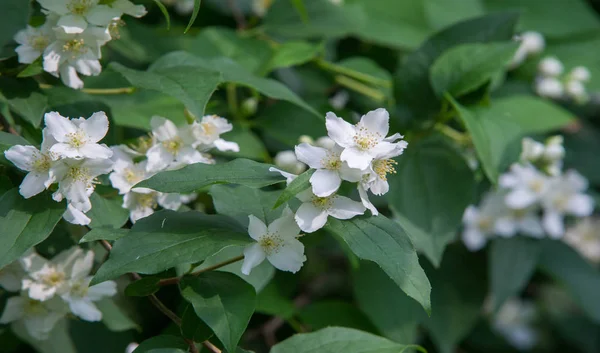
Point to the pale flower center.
(173, 145)
(209, 128)
(79, 7)
(79, 289)
(146, 200)
(113, 28)
(38, 42)
(485, 224)
(322, 202)
(131, 176)
(366, 139)
(80, 174)
(54, 278)
(76, 139)
(332, 161)
(537, 185)
(74, 46)
(519, 214)
(40, 163)
(271, 243)
(560, 202)
(33, 307)
(384, 166)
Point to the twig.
(211, 347)
(238, 16)
(360, 87)
(353, 73)
(119, 90)
(175, 280)
(7, 125)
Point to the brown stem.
(175, 280)
(211, 347)
(7, 126)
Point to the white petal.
(65, 151)
(171, 201)
(13, 310)
(190, 155)
(386, 150)
(394, 138)
(471, 215)
(311, 155)
(33, 184)
(163, 129)
(364, 198)
(376, 122)
(290, 256)
(158, 158)
(119, 182)
(52, 58)
(129, 8)
(223, 145)
(345, 208)
(256, 227)
(285, 226)
(520, 198)
(82, 266)
(98, 166)
(356, 158)
(39, 327)
(96, 126)
(581, 205)
(253, 256)
(288, 176)
(350, 174)
(101, 15)
(69, 77)
(22, 156)
(72, 23)
(379, 186)
(473, 239)
(85, 309)
(102, 290)
(553, 224)
(505, 226)
(94, 150)
(325, 182)
(310, 218)
(27, 54)
(59, 126)
(340, 131)
(531, 226)
(38, 291)
(60, 7)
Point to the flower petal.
(256, 227)
(313, 156)
(158, 158)
(325, 182)
(364, 198)
(72, 24)
(13, 310)
(163, 129)
(101, 15)
(553, 224)
(520, 198)
(85, 309)
(285, 226)
(474, 240)
(310, 218)
(22, 156)
(580, 205)
(290, 256)
(33, 184)
(69, 77)
(340, 131)
(253, 256)
(101, 290)
(96, 126)
(171, 201)
(27, 54)
(345, 208)
(356, 158)
(377, 122)
(94, 150)
(223, 145)
(350, 174)
(59, 126)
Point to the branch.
(175, 280)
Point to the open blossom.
(519, 221)
(515, 321)
(141, 202)
(480, 224)
(364, 141)
(129, 8)
(565, 196)
(75, 15)
(585, 238)
(330, 170)
(276, 242)
(34, 161)
(526, 185)
(39, 318)
(208, 132)
(126, 173)
(172, 145)
(33, 41)
(314, 211)
(78, 138)
(80, 296)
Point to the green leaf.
(251, 146)
(394, 314)
(496, 130)
(15, 15)
(8, 140)
(114, 317)
(166, 239)
(104, 233)
(193, 86)
(327, 313)
(459, 291)
(223, 301)
(143, 287)
(196, 176)
(240, 201)
(464, 68)
(24, 98)
(59, 340)
(165, 12)
(293, 53)
(301, 183)
(384, 242)
(270, 301)
(162, 341)
(296, 123)
(429, 193)
(193, 328)
(107, 212)
(443, 13)
(412, 86)
(339, 339)
(580, 278)
(512, 262)
(25, 223)
(301, 9)
(194, 15)
(35, 68)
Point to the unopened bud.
(550, 66)
(549, 87)
(580, 73)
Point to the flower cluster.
(584, 237)
(529, 201)
(71, 38)
(169, 147)
(552, 82)
(51, 289)
(515, 321)
(360, 154)
(532, 43)
(72, 156)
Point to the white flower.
(312, 214)
(73, 53)
(11, 276)
(525, 184)
(549, 87)
(33, 41)
(131, 347)
(46, 278)
(172, 146)
(76, 180)
(80, 296)
(76, 14)
(37, 163)
(548, 156)
(339, 99)
(126, 173)
(375, 178)
(576, 90)
(585, 238)
(129, 8)
(78, 138)
(289, 177)
(287, 160)
(140, 203)
(208, 131)
(565, 196)
(514, 322)
(550, 66)
(580, 73)
(330, 170)
(364, 141)
(533, 42)
(39, 318)
(76, 216)
(524, 221)
(480, 223)
(277, 243)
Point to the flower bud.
(533, 42)
(306, 139)
(325, 142)
(249, 106)
(580, 73)
(550, 66)
(549, 87)
(531, 150)
(287, 161)
(575, 89)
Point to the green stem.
(120, 90)
(360, 88)
(232, 100)
(175, 280)
(353, 73)
(459, 137)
